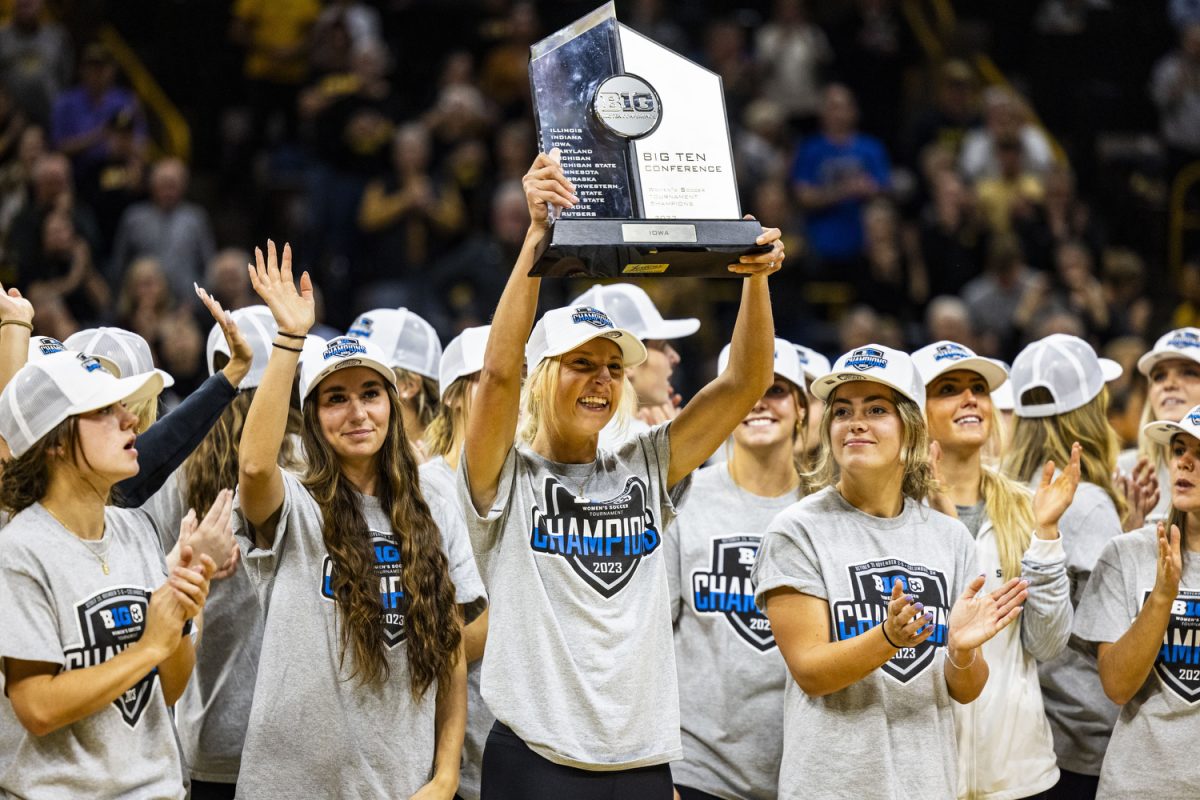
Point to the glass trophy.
(645, 141)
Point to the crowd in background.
(922, 195)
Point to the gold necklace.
(101, 557)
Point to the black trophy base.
(623, 248)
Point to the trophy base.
(622, 248)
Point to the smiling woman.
(568, 535)
(873, 598)
(361, 576)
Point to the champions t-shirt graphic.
(1178, 661)
(110, 621)
(391, 585)
(602, 540)
(871, 583)
(725, 588)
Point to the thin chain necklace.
(101, 556)
(587, 479)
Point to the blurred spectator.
(51, 191)
(35, 59)
(860, 326)
(361, 21)
(515, 150)
(653, 19)
(1175, 87)
(227, 279)
(952, 115)
(168, 228)
(407, 217)
(12, 125)
(762, 146)
(1183, 12)
(504, 71)
(994, 296)
(1124, 281)
(835, 173)
(115, 183)
(951, 236)
(275, 36)
(1060, 216)
(83, 114)
(948, 318)
(1005, 116)
(1187, 312)
(1012, 193)
(1066, 17)
(16, 187)
(726, 53)
(64, 267)
(331, 46)
(145, 299)
(892, 275)
(53, 317)
(792, 51)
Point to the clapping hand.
(212, 537)
(1141, 492)
(1170, 563)
(977, 616)
(1054, 495)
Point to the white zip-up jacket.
(1005, 747)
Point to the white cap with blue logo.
(787, 362)
(1162, 430)
(561, 330)
(632, 309)
(317, 362)
(1179, 343)
(878, 363)
(47, 391)
(407, 341)
(946, 356)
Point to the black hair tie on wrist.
(285, 347)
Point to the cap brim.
(989, 370)
(121, 390)
(673, 329)
(1153, 358)
(826, 384)
(1162, 431)
(633, 352)
(1110, 369)
(346, 363)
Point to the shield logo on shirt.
(390, 572)
(602, 540)
(1178, 661)
(725, 588)
(872, 584)
(110, 621)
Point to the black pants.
(511, 771)
(203, 790)
(1074, 786)
(688, 793)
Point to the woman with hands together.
(1016, 536)
(93, 641)
(363, 581)
(874, 598)
(1140, 613)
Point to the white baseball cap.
(787, 362)
(815, 365)
(463, 356)
(561, 330)
(258, 326)
(632, 309)
(122, 352)
(407, 341)
(340, 352)
(42, 346)
(1179, 343)
(1162, 430)
(1064, 365)
(46, 392)
(874, 362)
(1002, 396)
(946, 356)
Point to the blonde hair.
(1009, 507)
(1040, 439)
(537, 400)
(918, 481)
(451, 417)
(1155, 452)
(146, 411)
(425, 403)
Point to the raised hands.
(271, 277)
(240, 352)
(1170, 563)
(1054, 495)
(545, 186)
(14, 307)
(1141, 492)
(212, 537)
(977, 616)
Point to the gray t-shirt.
(314, 731)
(214, 710)
(893, 731)
(731, 675)
(437, 477)
(580, 662)
(60, 608)
(1150, 751)
(972, 517)
(1081, 716)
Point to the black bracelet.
(292, 335)
(285, 347)
(883, 630)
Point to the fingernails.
(909, 598)
(1024, 582)
(918, 606)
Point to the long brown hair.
(213, 465)
(432, 619)
(26, 479)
